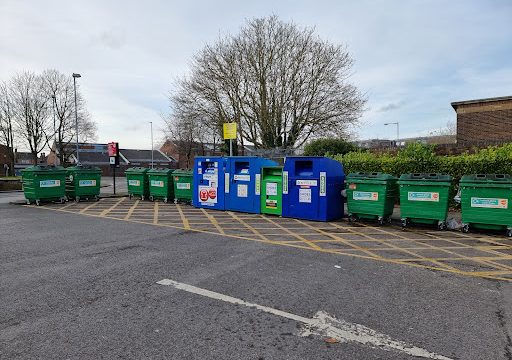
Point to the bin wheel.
(388, 220)
(165, 200)
(509, 232)
(142, 197)
(352, 218)
(96, 198)
(62, 200)
(151, 198)
(38, 203)
(441, 225)
(130, 196)
(465, 228)
(404, 223)
(77, 199)
(28, 202)
(176, 201)
(380, 220)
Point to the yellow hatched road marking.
(183, 217)
(254, 231)
(298, 236)
(155, 213)
(130, 211)
(106, 211)
(213, 221)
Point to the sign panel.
(157, 183)
(242, 177)
(365, 195)
(423, 196)
(113, 149)
(285, 182)
(87, 183)
(270, 204)
(134, 182)
(49, 183)
(305, 196)
(207, 195)
(183, 186)
(229, 131)
(242, 190)
(271, 188)
(306, 183)
(323, 183)
(258, 184)
(226, 183)
(491, 203)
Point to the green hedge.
(416, 158)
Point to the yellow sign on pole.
(229, 131)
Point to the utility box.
(182, 179)
(83, 182)
(44, 183)
(243, 182)
(209, 182)
(424, 199)
(137, 182)
(160, 184)
(272, 190)
(312, 188)
(486, 202)
(371, 196)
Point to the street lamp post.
(54, 131)
(75, 76)
(152, 159)
(397, 130)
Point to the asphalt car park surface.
(84, 281)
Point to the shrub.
(322, 147)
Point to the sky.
(412, 58)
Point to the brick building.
(484, 121)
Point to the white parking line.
(321, 324)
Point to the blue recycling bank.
(312, 188)
(243, 181)
(209, 182)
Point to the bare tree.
(282, 84)
(59, 90)
(7, 122)
(32, 110)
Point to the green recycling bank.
(486, 202)
(83, 183)
(44, 183)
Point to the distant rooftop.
(479, 101)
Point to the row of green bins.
(371, 196)
(486, 202)
(271, 199)
(44, 183)
(424, 199)
(83, 182)
(137, 181)
(182, 185)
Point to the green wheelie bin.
(44, 183)
(160, 184)
(83, 182)
(424, 199)
(271, 199)
(371, 196)
(182, 180)
(137, 181)
(486, 202)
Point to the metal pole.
(76, 119)
(397, 133)
(152, 157)
(54, 132)
(230, 147)
(115, 179)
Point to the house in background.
(97, 155)
(484, 122)
(184, 152)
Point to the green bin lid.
(43, 169)
(186, 172)
(484, 178)
(370, 176)
(137, 170)
(160, 171)
(426, 177)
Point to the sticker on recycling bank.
(242, 177)
(305, 196)
(49, 183)
(306, 183)
(157, 183)
(423, 196)
(134, 182)
(85, 183)
(491, 203)
(182, 186)
(365, 195)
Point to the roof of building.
(133, 155)
(479, 101)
